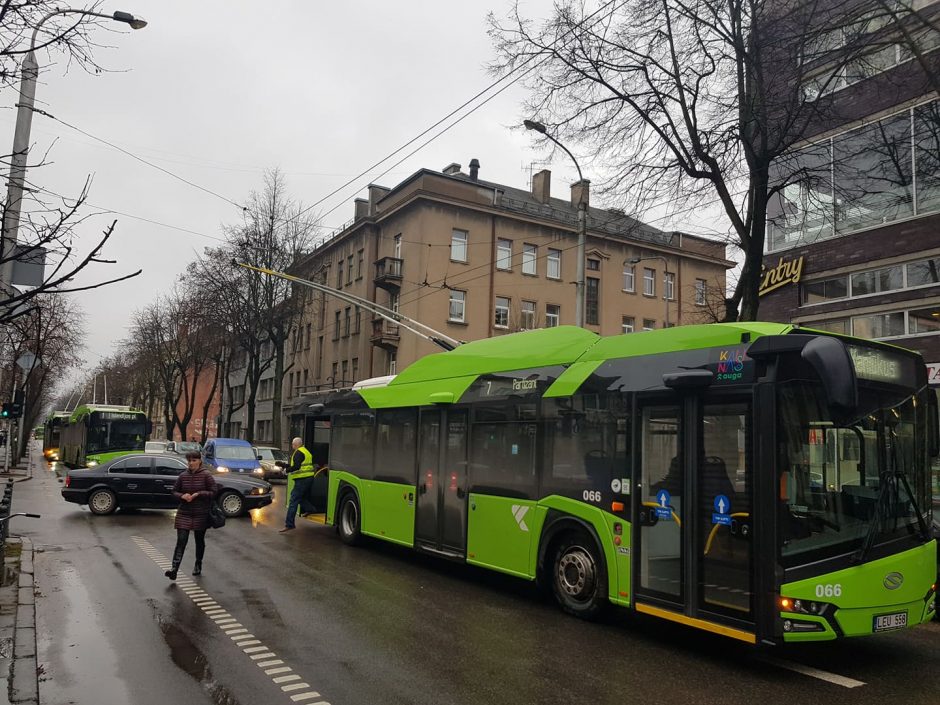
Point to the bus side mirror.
(832, 362)
(933, 423)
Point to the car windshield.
(235, 452)
(844, 486)
(272, 454)
(104, 435)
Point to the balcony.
(384, 334)
(388, 274)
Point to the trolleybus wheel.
(579, 576)
(350, 519)
(102, 502)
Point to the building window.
(319, 357)
(881, 325)
(840, 325)
(877, 281)
(398, 246)
(626, 324)
(345, 373)
(591, 300)
(593, 265)
(458, 245)
(670, 285)
(458, 303)
(504, 254)
(629, 278)
(321, 319)
(358, 325)
(554, 264)
(393, 301)
(501, 319)
(290, 385)
(355, 369)
(335, 368)
(552, 315)
(391, 366)
(307, 338)
(362, 257)
(649, 281)
(306, 380)
(529, 258)
(649, 324)
(349, 269)
(347, 319)
(700, 292)
(336, 326)
(339, 273)
(528, 315)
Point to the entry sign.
(721, 514)
(663, 509)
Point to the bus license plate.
(887, 622)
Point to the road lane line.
(250, 646)
(834, 678)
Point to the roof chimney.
(542, 186)
(474, 169)
(452, 168)
(581, 189)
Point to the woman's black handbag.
(216, 516)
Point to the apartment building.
(474, 259)
(854, 246)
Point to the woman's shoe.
(197, 569)
(171, 574)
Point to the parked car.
(155, 446)
(146, 482)
(183, 447)
(269, 456)
(231, 455)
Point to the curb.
(18, 665)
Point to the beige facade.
(474, 259)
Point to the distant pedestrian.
(195, 488)
(301, 470)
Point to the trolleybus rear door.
(692, 540)
(441, 512)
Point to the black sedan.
(146, 482)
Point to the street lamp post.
(582, 224)
(18, 159)
(635, 260)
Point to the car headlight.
(91, 463)
(221, 469)
(258, 490)
(258, 471)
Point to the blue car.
(232, 455)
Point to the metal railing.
(6, 502)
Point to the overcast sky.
(216, 92)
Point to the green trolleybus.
(96, 433)
(760, 481)
(51, 433)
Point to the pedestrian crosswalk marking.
(250, 646)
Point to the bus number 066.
(592, 495)
(829, 590)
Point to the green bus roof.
(444, 377)
(85, 409)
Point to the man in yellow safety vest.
(302, 471)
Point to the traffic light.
(16, 407)
(6, 412)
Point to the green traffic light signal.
(7, 410)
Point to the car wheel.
(579, 576)
(349, 519)
(232, 503)
(102, 502)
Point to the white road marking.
(834, 678)
(229, 625)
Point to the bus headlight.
(787, 604)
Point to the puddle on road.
(188, 657)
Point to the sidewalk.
(19, 677)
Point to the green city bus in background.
(51, 433)
(756, 480)
(96, 433)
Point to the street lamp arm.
(126, 17)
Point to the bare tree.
(691, 102)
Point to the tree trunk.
(276, 400)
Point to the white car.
(155, 446)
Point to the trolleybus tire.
(579, 575)
(349, 521)
(102, 502)
(232, 504)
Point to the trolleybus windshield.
(106, 433)
(850, 486)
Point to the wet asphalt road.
(377, 625)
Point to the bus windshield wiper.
(862, 552)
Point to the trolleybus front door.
(441, 512)
(692, 543)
